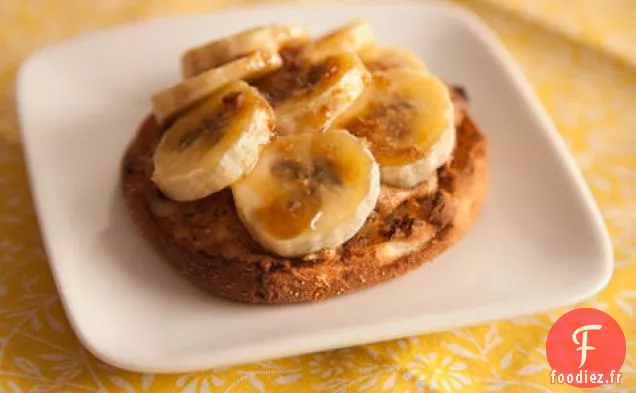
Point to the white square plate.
(540, 242)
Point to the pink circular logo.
(586, 348)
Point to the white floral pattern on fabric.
(431, 373)
(590, 97)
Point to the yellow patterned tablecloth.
(579, 56)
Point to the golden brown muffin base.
(206, 242)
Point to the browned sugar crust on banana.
(384, 126)
(295, 78)
(205, 241)
(216, 123)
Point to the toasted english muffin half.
(205, 241)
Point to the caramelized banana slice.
(384, 57)
(213, 144)
(407, 118)
(307, 97)
(170, 102)
(221, 51)
(349, 38)
(308, 192)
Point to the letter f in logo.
(583, 344)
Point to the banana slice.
(308, 192)
(407, 118)
(309, 96)
(213, 144)
(170, 102)
(384, 57)
(221, 51)
(349, 38)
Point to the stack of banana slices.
(302, 131)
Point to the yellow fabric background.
(579, 56)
